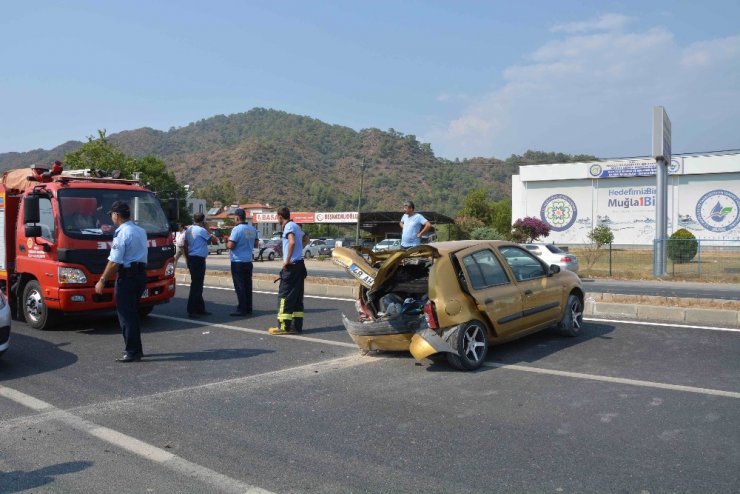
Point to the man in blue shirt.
(195, 249)
(128, 256)
(290, 293)
(414, 225)
(241, 242)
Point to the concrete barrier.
(718, 312)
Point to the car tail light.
(566, 259)
(430, 313)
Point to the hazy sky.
(473, 78)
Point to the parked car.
(387, 244)
(217, 248)
(483, 292)
(552, 254)
(313, 248)
(328, 247)
(269, 250)
(4, 323)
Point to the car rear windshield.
(554, 249)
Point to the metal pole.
(359, 202)
(610, 259)
(661, 217)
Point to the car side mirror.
(554, 269)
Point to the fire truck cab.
(55, 238)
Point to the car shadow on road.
(203, 355)
(20, 480)
(531, 348)
(28, 356)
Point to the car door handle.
(527, 292)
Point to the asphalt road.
(724, 291)
(218, 405)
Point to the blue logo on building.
(559, 211)
(718, 211)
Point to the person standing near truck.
(290, 293)
(240, 244)
(128, 256)
(195, 251)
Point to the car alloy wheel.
(572, 320)
(471, 343)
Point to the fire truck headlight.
(71, 275)
(170, 270)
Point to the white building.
(573, 198)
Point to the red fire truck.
(55, 238)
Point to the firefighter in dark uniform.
(290, 293)
(128, 258)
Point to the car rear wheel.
(308, 254)
(271, 256)
(471, 342)
(572, 320)
(37, 314)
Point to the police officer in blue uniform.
(128, 257)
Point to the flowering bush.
(529, 229)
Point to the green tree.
(501, 216)
(97, 154)
(477, 205)
(601, 235)
(101, 154)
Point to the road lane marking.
(261, 332)
(590, 319)
(263, 292)
(150, 452)
(593, 377)
(617, 380)
(664, 324)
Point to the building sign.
(718, 211)
(346, 217)
(559, 211)
(631, 197)
(303, 217)
(612, 169)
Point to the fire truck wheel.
(37, 314)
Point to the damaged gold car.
(457, 298)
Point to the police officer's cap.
(120, 207)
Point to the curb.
(717, 312)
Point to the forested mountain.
(280, 158)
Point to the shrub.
(486, 233)
(682, 246)
(529, 229)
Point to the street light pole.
(359, 202)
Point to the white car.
(387, 244)
(552, 254)
(4, 323)
(312, 249)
